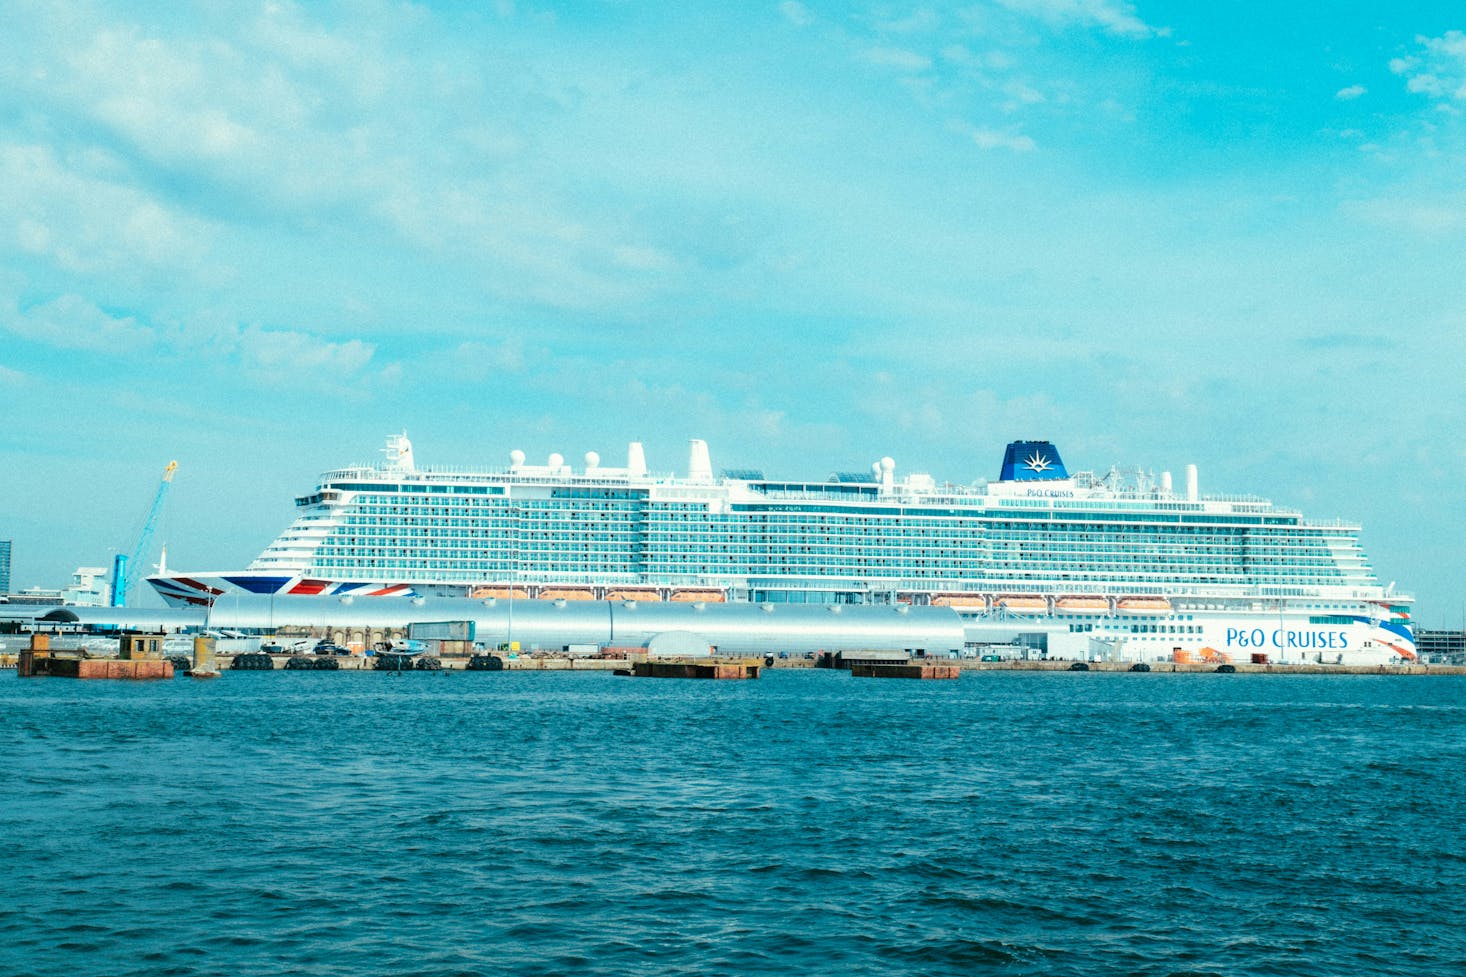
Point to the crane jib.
(124, 568)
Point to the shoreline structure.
(548, 663)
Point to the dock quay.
(139, 657)
(916, 671)
(527, 663)
(881, 663)
(685, 668)
(475, 663)
(540, 634)
(58, 667)
(43, 657)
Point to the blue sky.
(257, 237)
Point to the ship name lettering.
(1281, 638)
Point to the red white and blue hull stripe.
(200, 589)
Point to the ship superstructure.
(1124, 557)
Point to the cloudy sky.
(257, 237)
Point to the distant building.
(4, 567)
(1441, 647)
(36, 596)
(90, 587)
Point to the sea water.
(804, 823)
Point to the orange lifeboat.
(1144, 605)
(1082, 605)
(691, 595)
(1024, 602)
(634, 593)
(959, 600)
(517, 593)
(566, 593)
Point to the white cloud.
(992, 139)
(891, 57)
(1432, 218)
(1023, 94)
(1451, 44)
(281, 120)
(999, 60)
(1439, 71)
(165, 99)
(75, 212)
(265, 351)
(1350, 93)
(273, 109)
(641, 258)
(1426, 84)
(71, 322)
(796, 13)
(919, 21)
(11, 378)
(1112, 16)
(472, 362)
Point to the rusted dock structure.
(713, 669)
(140, 657)
(917, 670)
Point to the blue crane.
(123, 568)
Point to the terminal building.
(1441, 647)
(559, 625)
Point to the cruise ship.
(1126, 560)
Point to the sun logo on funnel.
(1037, 462)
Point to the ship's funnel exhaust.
(635, 460)
(1192, 491)
(399, 453)
(699, 465)
(1166, 483)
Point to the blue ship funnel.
(1031, 461)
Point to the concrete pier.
(693, 669)
(916, 671)
(38, 661)
(205, 661)
(108, 668)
